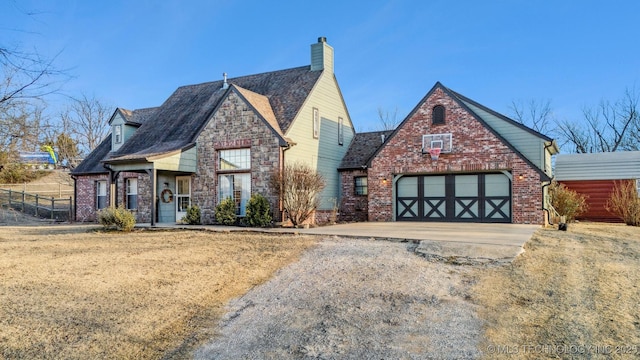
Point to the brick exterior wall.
(86, 196)
(143, 212)
(475, 149)
(352, 207)
(235, 125)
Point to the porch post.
(113, 196)
(154, 189)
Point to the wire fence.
(59, 209)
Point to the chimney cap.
(322, 39)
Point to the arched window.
(438, 115)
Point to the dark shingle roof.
(92, 163)
(177, 123)
(139, 116)
(363, 146)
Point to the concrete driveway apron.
(467, 240)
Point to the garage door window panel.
(466, 197)
(497, 196)
(435, 205)
(407, 194)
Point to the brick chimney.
(321, 56)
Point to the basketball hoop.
(435, 153)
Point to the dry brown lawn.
(573, 294)
(77, 292)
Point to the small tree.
(226, 212)
(299, 187)
(624, 202)
(567, 202)
(258, 211)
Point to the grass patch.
(578, 288)
(71, 293)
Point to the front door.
(183, 196)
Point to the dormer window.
(117, 134)
(438, 115)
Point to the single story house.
(488, 168)
(594, 176)
(220, 139)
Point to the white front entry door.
(183, 196)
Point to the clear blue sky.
(388, 54)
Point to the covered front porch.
(162, 191)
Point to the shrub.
(18, 173)
(193, 215)
(119, 217)
(299, 186)
(258, 211)
(567, 202)
(624, 202)
(226, 212)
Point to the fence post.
(60, 190)
(70, 209)
(53, 205)
(23, 200)
(36, 204)
(9, 197)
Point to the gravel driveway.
(354, 299)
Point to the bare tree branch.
(388, 121)
(536, 114)
(89, 121)
(607, 127)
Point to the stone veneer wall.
(475, 149)
(235, 125)
(86, 196)
(353, 207)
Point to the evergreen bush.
(226, 212)
(193, 215)
(258, 211)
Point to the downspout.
(281, 195)
(544, 207)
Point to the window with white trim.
(236, 187)
(132, 193)
(638, 187)
(316, 123)
(117, 134)
(340, 131)
(101, 194)
(235, 159)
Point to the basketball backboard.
(442, 141)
